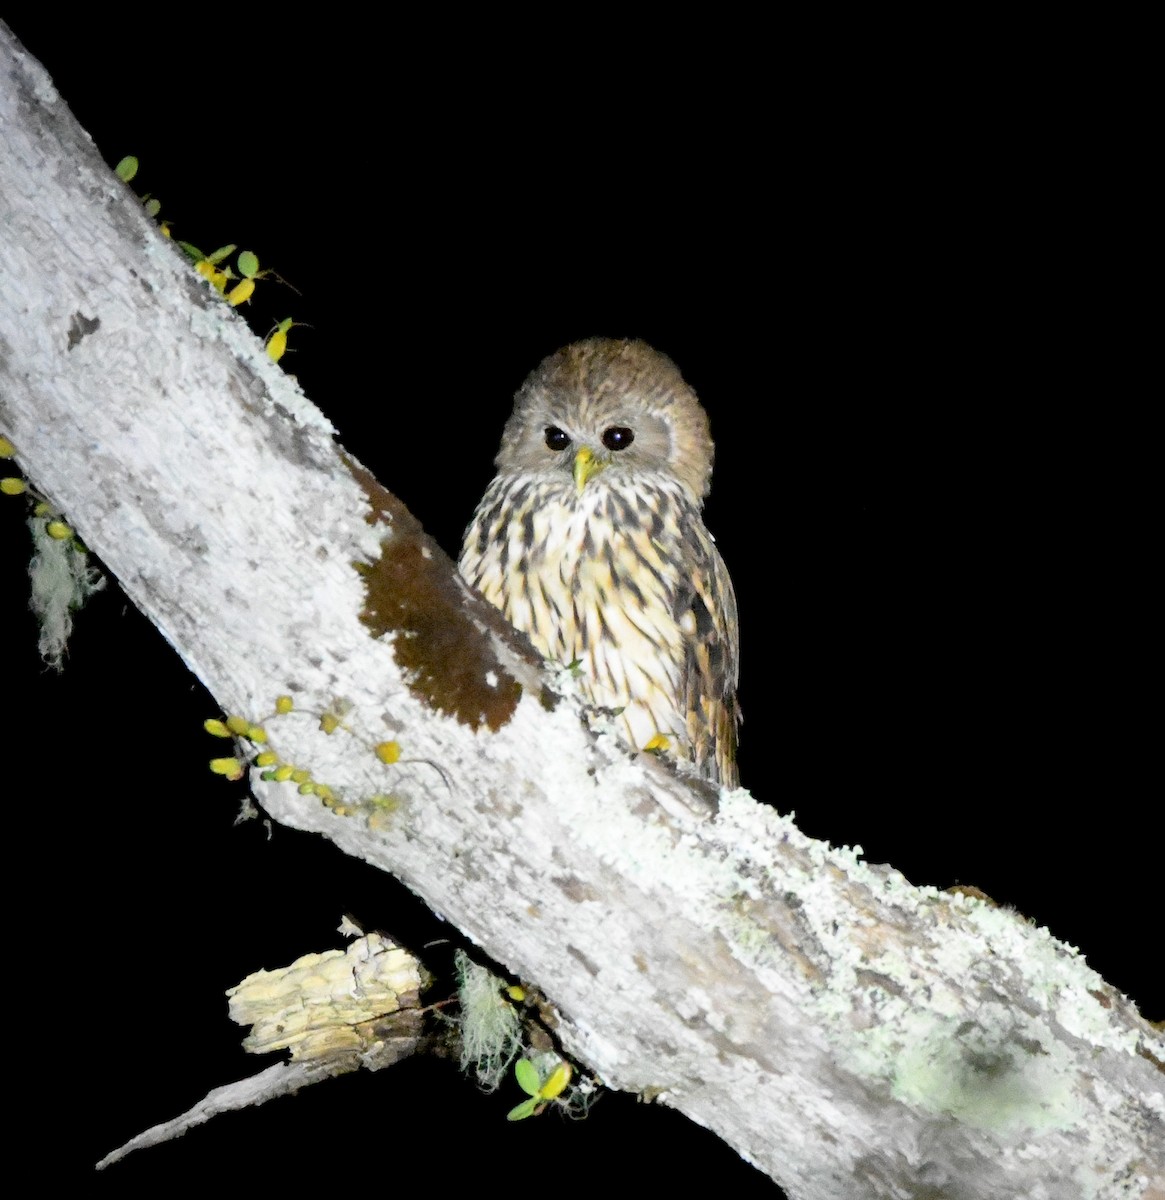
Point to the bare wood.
(335, 1012)
(850, 1034)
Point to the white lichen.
(62, 579)
(490, 1027)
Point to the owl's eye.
(618, 437)
(556, 439)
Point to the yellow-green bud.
(12, 486)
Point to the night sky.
(941, 620)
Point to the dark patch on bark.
(576, 889)
(875, 979)
(413, 592)
(574, 952)
(80, 327)
(1148, 1054)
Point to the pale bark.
(850, 1034)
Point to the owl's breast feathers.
(628, 583)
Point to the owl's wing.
(706, 611)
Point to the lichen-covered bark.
(851, 1035)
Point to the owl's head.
(610, 409)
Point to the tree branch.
(848, 1033)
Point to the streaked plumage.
(590, 540)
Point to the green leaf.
(193, 251)
(248, 264)
(127, 168)
(526, 1109)
(528, 1078)
(153, 207)
(220, 254)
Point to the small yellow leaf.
(13, 486)
(7, 449)
(238, 725)
(284, 773)
(230, 767)
(557, 1082)
(267, 759)
(216, 727)
(58, 530)
(240, 293)
(388, 752)
(284, 704)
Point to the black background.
(943, 627)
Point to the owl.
(590, 540)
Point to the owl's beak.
(585, 465)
